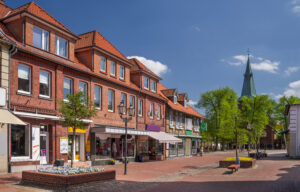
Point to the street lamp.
(122, 111)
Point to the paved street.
(275, 173)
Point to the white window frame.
(171, 121)
(180, 121)
(153, 90)
(105, 64)
(158, 111)
(140, 106)
(57, 38)
(146, 78)
(49, 83)
(71, 86)
(29, 76)
(113, 100)
(42, 39)
(113, 73)
(100, 96)
(151, 112)
(122, 67)
(175, 99)
(131, 97)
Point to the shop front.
(177, 149)
(79, 147)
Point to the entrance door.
(44, 148)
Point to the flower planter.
(243, 164)
(34, 177)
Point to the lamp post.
(122, 111)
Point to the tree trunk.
(73, 144)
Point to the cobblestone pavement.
(273, 174)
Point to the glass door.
(44, 148)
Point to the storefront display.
(103, 148)
(19, 141)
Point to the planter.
(157, 157)
(143, 158)
(243, 164)
(34, 177)
(59, 162)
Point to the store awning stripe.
(7, 117)
(163, 137)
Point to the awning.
(163, 137)
(117, 130)
(7, 117)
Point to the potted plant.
(59, 162)
(112, 162)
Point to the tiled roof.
(95, 38)
(4, 10)
(40, 12)
(178, 107)
(168, 92)
(181, 96)
(140, 66)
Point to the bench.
(234, 167)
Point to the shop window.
(181, 148)
(155, 148)
(20, 141)
(143, 145)
(103, 64)
(24, 79)
(45, 84)
(103, 148)
(172, 149)
(194, 147)
(61, 46)
(76, 152)
(40, 38)
(130, 147)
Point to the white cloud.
(293, 89)
(296, 9)
(295, 6)
(257, 63)
(291, 70)
(157, 67)
(192, 103)
(196, 28)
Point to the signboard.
(63, 145)
(188, 132)
(35, 143)
(2, 97)
(203, 127)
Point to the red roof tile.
(140, 66)
(168, 92)
(4, 10)
(95, 38)
(40, 12)
(181, 96)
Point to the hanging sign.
(63, 145)
(203, 127)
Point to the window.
(111, 100)
(185, 102)
(123, 100)
(122, 72)
(171, 122)
(177, 121)
(196, 125)
(40, 38)
(68, 87)
(24, 79)
(153, 86)
(83, 87)
(180, 120)
(61, 46)
(140, 107)
(151, 112)
(175, 98)
(132, 102)
(45, 79)
(146, 83)
(103, 64)
(158, 112)
(97, 96)
(112, 68)
(20, 144)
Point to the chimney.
(2, 2)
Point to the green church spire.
(248, 86)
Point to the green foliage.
(74, 111)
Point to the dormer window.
(175, 98)
(185, 102)
(112, 68)
(146, 83)
(153, 86)
(61, 46)
(122, 72)
(103, 64)
(40, 38)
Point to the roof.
(94, 38)
(178, 107)
(4, 10)
(138, 65)
(168, 92)
(38, 11)
(181, 96)
(248, 85)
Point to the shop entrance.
(44, 148)
(78, 150)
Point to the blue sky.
(195, 45)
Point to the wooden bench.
(234, 167)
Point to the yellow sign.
(88, 146)
(70, 130)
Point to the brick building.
(50, 62)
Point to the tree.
(74, 111)
(257, 111)
(220, 108)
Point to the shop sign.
(63, 145)
(35, 143)
(152, 127)
(203, 127)
(188, 132)
(77, 130)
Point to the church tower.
(248, 85)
